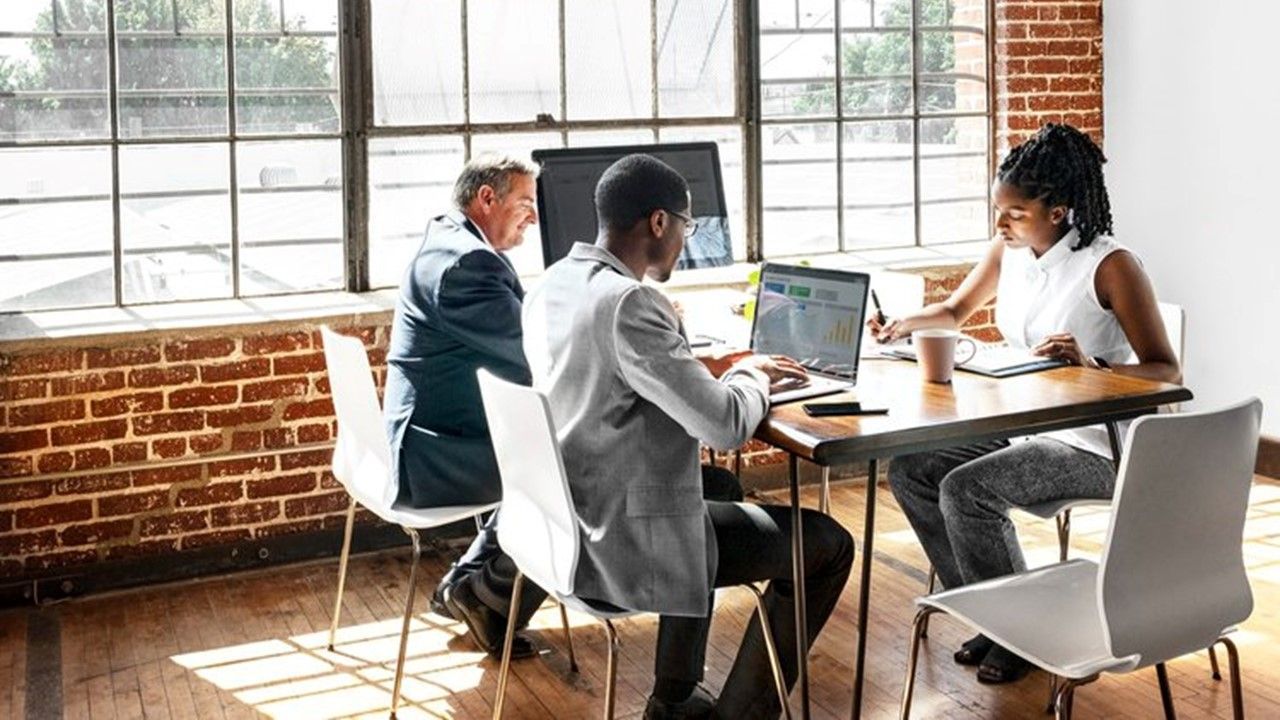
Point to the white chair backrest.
(1175, 326)
(537, 524)
(362, 457)
(1172, 574)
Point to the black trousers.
(492, 573)
(753, 543)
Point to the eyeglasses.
(690, 225)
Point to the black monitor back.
(566, 197)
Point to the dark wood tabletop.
(926, 416)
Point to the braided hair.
(1062, 166)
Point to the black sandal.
(974, 650)
(1002, 666)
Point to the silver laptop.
(813, 315)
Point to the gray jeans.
(958, 499)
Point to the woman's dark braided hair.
(1062, 166)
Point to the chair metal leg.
(779, 681)
(1066, 695)
(611, 671)
(933, 579)
(1233, 667)
(516, 588)
(568, 637)
(1053, 693)
(408, 617)
(917, 633)
(1166, 695)
(1064, 534)
(342, 572)
(737, 463)
(1213, 663)
(824, 499)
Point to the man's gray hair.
(490, 169)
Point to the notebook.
(991, 360)
(814, 316)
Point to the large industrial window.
(167, 150)
(875, 123)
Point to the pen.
(879, 313)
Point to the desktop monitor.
(566, 197)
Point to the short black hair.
(1062, 166)
(633, 187)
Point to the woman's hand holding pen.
(886, 330)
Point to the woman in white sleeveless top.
(1064, 288)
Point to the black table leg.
(864, 590)
(797, 578)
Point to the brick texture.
(1048, 67)
(163, 444)
(155, 445)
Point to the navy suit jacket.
(458, 310)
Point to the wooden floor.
(253, 645)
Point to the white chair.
(362, 463)
(538, 526)
(1171, 579)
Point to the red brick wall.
(176, 441)
(1048, 67)
(165, 443)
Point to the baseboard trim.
(73, 582)
(1268, 457)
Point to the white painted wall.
(1192, 135)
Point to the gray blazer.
(458, 311)
(631, 403)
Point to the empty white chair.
(362, 462)
(1171, 579)
(538, 526)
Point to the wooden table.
(929, 416)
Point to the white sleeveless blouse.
(1056, 293)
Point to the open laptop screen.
(813, 315)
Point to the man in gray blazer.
(458, 311)
(631, 403)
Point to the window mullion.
(233, 131)
(564, 76)
(916, 59)
(355, 66)
(466, 79)
(839, 95)
(113, 113)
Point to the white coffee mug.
(936, 352)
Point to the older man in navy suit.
(458, 311)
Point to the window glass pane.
(53, 79)
(897, 13)
(695, 58)
(797, 14)
(595, 138)
(417, 82)
(287, 67)
(856, 13)
(175, 221)
(410, 182)
(797, 74)
(527, 256)
(608, 62)
(878, 188)
(729, 140)
(514, 60)
(799, 185)
(877, 73)
(953, 75)
(55, 229)
(953, 179)
(290, 196)
(172, 70)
